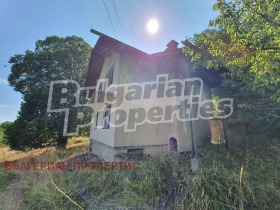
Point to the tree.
(245, 38)
(243, 45)
(54, 58)
(3, 127)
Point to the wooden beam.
(96, 32)
(190, 45)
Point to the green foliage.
(1, 135)
(243, 45)
(3, 127)
(54, 58)
(254, 29)
(6, 177)
(252, 108)
(244, 39)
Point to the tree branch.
(265, 16)
(193, 47)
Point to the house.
(123, 64)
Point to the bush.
(3, 136)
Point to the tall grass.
(247, 177)
(6, 177)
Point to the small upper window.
(96, 120)
(107, 116)
(110, 76)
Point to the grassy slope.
(246, 178)
(13, 184)
(6, 177)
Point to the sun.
(152, 26)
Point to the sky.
(24, 22)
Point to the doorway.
(173, 146)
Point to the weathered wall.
(130, 68)
(217, 132)
(234, 131)
(106, 136)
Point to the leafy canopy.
(245, 39)
(55, 58)
(3, 127)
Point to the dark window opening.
(96, 120)
(110, 76)
(173, 146)
(107, 116)
(135, 154)
(90, 93)
(135, 151)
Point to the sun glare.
(152, 26)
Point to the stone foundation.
(108, 153)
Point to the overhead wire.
(118, 19)
(110, 18)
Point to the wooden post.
(225, 134)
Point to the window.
(135, 153)
(107, 115)
(110, 76)
(96, 120)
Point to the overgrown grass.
(78, 140)
(44, 153)
(6, 177)
(13, 184)
(247, 177)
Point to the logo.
(131, 105)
